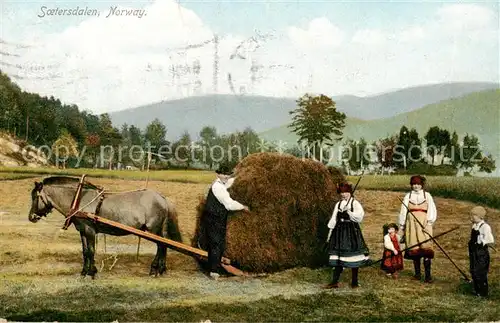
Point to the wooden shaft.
(354, 190)
(177, 246)
(78, 193)
(138, 247)
(433, 240)
(420, 243)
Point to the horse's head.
(40, 204)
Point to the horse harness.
(41, 196)
(78, 212)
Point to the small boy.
(392, 261)
(479, 256)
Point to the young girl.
(347, 247)
(479, 256)
(423, 213)
(392, 258)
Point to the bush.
(427, 169)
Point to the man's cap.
(417, 179)
(224, 170)
(344, 188)
(479, 211)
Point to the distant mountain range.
(476, 113)
(228, 113)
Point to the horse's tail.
(170, 223)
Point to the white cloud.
(411, 34)
(105, 64)
(465, 17)
(320, 33)
(369, 37)
(118, 62)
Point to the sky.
(164, 49)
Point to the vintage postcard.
(250, 160)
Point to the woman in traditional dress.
(347, 247)
(417, 216)
(392, 259)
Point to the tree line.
(317, 123)
(83, 139)
(407, 151)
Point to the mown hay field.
(481, 190)
(181, 176)
(40, 266)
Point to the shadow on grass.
(466, 288)
(68, 315)
(363, 306)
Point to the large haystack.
(291, 201)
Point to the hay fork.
(437, 244)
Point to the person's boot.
(354, 278)
(482, 288)
(427, 268)
(335, 278)
(418, 274)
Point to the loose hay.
(290, 201)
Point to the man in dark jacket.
(217, 207)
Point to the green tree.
(136, 136)
(155, 140)
(438, 143)
(432, 138)
(208, 136)
(136, 152)
(315, 120)
(125, 134)
(249, 141)
(183, 150)
(386, 148)
(356, 154)
(469, 153)
(454, 150)
(487, 164)
(415, 149)
(91, 122)
(156, 133)
(408, 147)
(92, 144)
(64, 147)
(444, 144)
(40, 119)
(110, 141)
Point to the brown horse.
(142, 209)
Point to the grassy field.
(12, 176)
(181, 176)
(40, 265)
(479, 190)
(474, 189)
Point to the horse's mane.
(61, 180)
